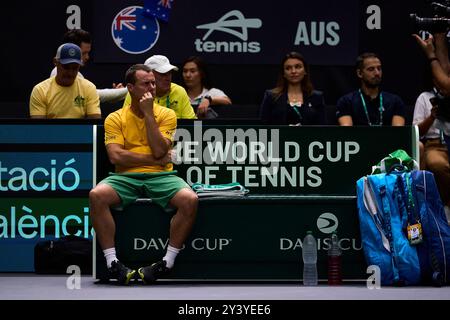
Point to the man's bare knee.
(96, 196)
(187, 201)
(103, 195)
(192, 201)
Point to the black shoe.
(154, 272)
(121, 273)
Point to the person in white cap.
(65, 95)
(168, 94)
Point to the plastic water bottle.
(334, 261)
(309, 254)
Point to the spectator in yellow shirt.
(138, 139)
(65, 95)
(168, 94)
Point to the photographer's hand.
(439, 36)
(440, 76)
(426, 45)
(441, 50)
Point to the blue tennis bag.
(382, 214)
(425, 208)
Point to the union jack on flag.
(159, 9)
(126, 19)
(166, 3)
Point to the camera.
(432, 25)
(441, 9)
(439, 22)
(443, 106)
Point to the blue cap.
(69, 53)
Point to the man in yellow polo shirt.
(65, 95)
(138, 139)
(168, 94)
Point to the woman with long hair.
(198, 87)
(293, 101)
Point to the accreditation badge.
(415, 235)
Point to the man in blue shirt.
(369, 106)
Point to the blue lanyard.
(381, 109)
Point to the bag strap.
(421, 196)
(411, 204)
(408, 205)
(402, 203)
(372, 207)
(388, 230)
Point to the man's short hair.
(77, 36)
(364, 56)
(130, 75)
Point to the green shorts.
(158, 186)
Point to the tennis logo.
(327, 222)
(233, 23)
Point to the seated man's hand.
(146, 104)
(168, 158)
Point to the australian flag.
(159, 9)
(133, 32)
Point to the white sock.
(170, 256)
(110, 256)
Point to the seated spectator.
(434, 156)
(435, 48)
(201, 93)
(82, 39)
(369, 106)
(65, 95)
(293, 101)
(138, 140)
(168, 94)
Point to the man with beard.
(369, 106)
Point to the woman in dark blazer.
(293, 101)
